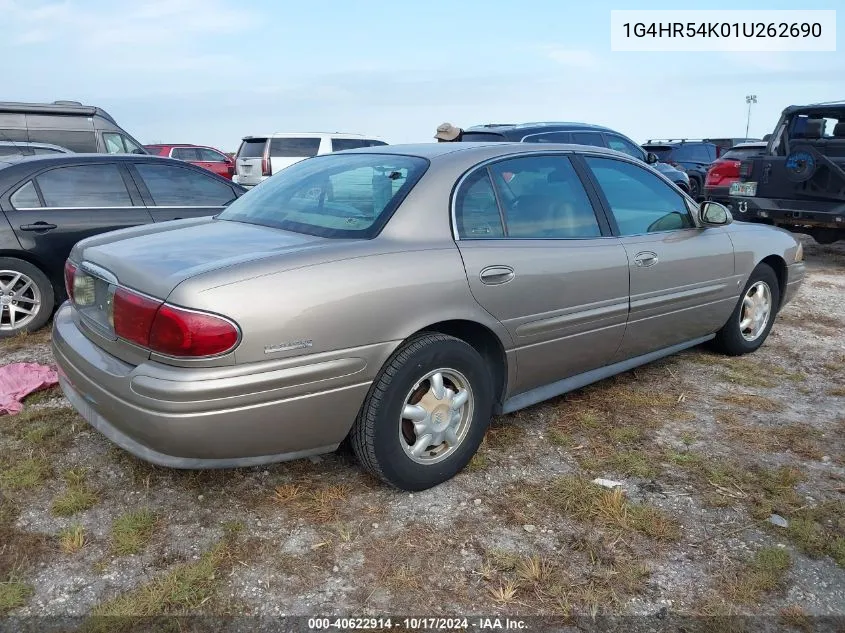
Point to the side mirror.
(715, 214)
(651, 158)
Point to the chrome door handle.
(495, 275)
(645, 259)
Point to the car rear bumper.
(789, 212)
(718, 193)
(248, 185)
(212, 417)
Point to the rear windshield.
(253, 148)
(334, 195)
(482, 137)
(739, 153)
(294, 147)
(662, 151)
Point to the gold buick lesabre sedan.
(400, 296)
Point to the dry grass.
(801, 439)
(764, 573)
(19, 550)
(594, 575)
(795, 617)
(503, 434)
(314, 502)
(577, 497)
(612, 424)
(25, 340)
(812, 320)
(72, 539)
(752, 402)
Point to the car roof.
(830, 107)
(751, 144)
(175, 145)
(311, 135)
(538, 125)
(468, 149)
(81, 159)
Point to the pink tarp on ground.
(18, 380)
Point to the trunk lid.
(155, 262)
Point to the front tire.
(752, 319)
(695, 189)
(26, 297)
(426, 414)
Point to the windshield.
(252, 148)
(336, 195)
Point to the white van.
(259, 157)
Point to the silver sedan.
(400, 296)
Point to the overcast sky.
(212, 71)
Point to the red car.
(725, 170)
(205, 157)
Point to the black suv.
(694, 157)
(48, 203)
(574, 133)
(799, 180)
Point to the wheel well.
(779, 266)
(485, 343)
(58, 286)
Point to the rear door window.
(26, 197)
(173, 186)
(294, 147)
(340, 144)
(185, 153)
(588, 138)
(84, 186)
(550, 137)
(209, 155)
(74, 140)
(252, 148)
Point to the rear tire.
(695, 189)
(408, 436)
(752, 318)
(26, 297)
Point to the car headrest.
(839, 130)
(814, 128)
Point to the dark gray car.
(79, 128)
(400, 296)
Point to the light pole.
(749, 99)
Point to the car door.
(173, 191)
(62, 205)
(683, 281)
(215, 162)
(539, 259)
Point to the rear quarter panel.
(363, 306)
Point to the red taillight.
(178, 332)
(266, 167)
(70, 272)
(169, 330)
(133, 316)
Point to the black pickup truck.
(799, 181)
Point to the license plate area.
(748, 189)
